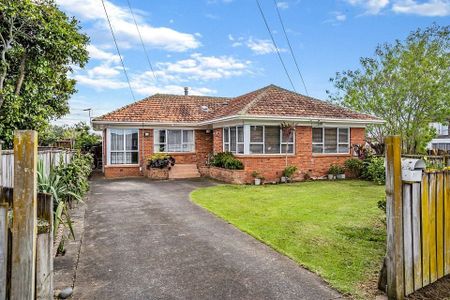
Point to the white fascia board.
(440, 140)
(250, 119)
(98, 125)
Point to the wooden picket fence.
(418, 224)
(51, 157)
(26, 228)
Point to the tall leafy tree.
(406, 83)
(39, 46)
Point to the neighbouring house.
(442, 140)
(191, 128)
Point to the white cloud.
(283, 5)
(372, 7)
(261, 47)
(97, 53)
(123, 24)
(432, 8)
(341, 17)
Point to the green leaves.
(38, 46)
(406, 83)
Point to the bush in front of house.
(226, 160)
(160, 161)
(354, 166)
(374, 170)
(289, 171)
(335, 169)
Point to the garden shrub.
(226, 160)
(289, 171)
(374, 170)
(75, 175)
(160, 161)
(354, 166)
(335, 169)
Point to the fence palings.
(420, 220)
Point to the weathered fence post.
(395, 278)
(3, 248)
(24, 210)
(44, 245)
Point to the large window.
(330, 140)
(270, 140)
(123, 147)
(233, 139)
(174, 140)
(257, 140)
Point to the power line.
(290, 47)
(118, 51)
(142, 41)
(275, 45)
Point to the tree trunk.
(21, 73)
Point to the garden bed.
(225, 175)
(156, 173)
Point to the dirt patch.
(439, 290)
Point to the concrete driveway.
(146, 240)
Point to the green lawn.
(333, 228)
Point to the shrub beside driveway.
(332, 228)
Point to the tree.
(39, 46)
(80, 133)
(406, 83)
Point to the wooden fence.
(26, 229)
(50, 157)
(418, 224)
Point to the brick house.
(190, 128)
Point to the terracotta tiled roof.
(167, 108)
(268, 101)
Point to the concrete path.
(146, 240)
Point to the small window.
(174, 140)
(330, 140)
(233, 139)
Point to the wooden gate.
(418, 225)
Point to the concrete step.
(180, 171)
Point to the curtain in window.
(330, 145)
(174, 140)
(272, 139)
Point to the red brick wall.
(203, 146)
(271, 166)
(122, 171)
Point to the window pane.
(116, 140)
(240, 133)
(131, 140)
(343, 148)
(343, 135)
(256, 134)
(240, 148)
(317, 148)
(290, 148)
(173, 140)
(256, 148)
(162, 136)
(330, 140)
(188, 136)
(272, 139)
(226, 147)
(117, 158)
(290, 139)
(233, 139)
(317, 135)
(226, 137)
(161, 148)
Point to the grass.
(334, 229)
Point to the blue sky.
(222, 47)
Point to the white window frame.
(226, 145)
(247, 134)
(157, 144)
(338, 143)
(108, 145)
